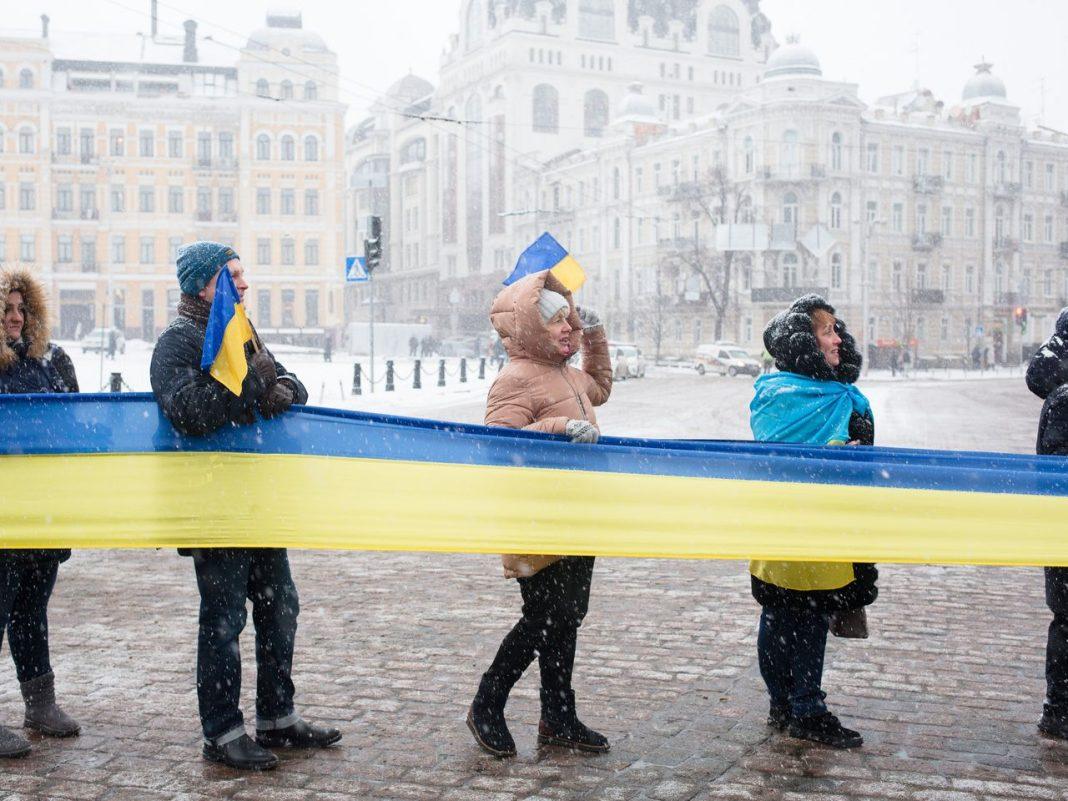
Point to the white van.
(627, 361)
(725, 358)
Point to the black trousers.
(1057, 641)
(227, 577)
(26, 584)
(555, 601)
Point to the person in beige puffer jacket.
(541, 330)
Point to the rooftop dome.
(984, 84)
(635, 106)
(791, 60)
(285, 31)
(410, 88)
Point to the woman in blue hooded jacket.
(810, 400)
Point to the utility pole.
(372, 251)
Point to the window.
(146, 199)
(947, 165)
(148, 250)
(969, 221)
(203, 148)
(174, 144)
(595, 112)
(263, 306)
(174, 200)
(285, 90)
(895, 279)
(27, 197)
(749, 156)
(263, 200)
(897, 160)
(311, 307)
(969, 280)
(64, 197)
(999, 222)
(1047, 283)
(1029, 227)
(311, 252)
(1047, 229)
(311, 202)
(146, 144)
(897, 217)
(263, 251)
(789, 209)
(836, 151)
(287, 203)
(118, 249)
(26, 140)
(947, 221)
(263, 89)
(947, 277)
(63, 142)
(873, 157)
(118, 198)
(723, 32)
(204, 202)
(263, 147)
(1000, 167)
(836, 271)
(289, 251)
(289, 148)
(1051, 178)
(1029, 174)
(28, 247)
(789, 269)
(921, 218)
(923, 160)
(87, 201)
(597, 20)
(117, 143)
(25, 79)
(311, 148)
(311, 91)
(226, 200)
(65, 249)
(836, 210)
(226, 145)
(872, 211)
(546, 109)
(790, 165)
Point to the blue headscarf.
(789, 407)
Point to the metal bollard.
(463, 371)
(481, 368)
(356, 389)
(116, 382)
(417, 374)
(441, 372)
(389, 375)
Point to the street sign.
(978, 330)
(355, 272)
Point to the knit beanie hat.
(198, 263)
(549, 303)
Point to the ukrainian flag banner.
(327, 478)
(548, 254)
(228, 331)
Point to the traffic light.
(1020, 315)
(372, 245)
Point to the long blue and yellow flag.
(228, 331)
(325, 478)
(548, 254)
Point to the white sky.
(883, 45)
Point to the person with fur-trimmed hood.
(810, 400)
(27, 577)
(1047, 377)
(537, 390)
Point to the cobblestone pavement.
(947, 691)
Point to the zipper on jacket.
(582, 406)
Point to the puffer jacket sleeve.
(192, 400)
(597, 364)
(1053, 424)
(300, 394)
(509, 405)
(1048, 368)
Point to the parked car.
(99, 339)
(627, 361)
(725, 358)
(466, 347)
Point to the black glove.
(262, 363)
(277, 400)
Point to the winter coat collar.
(517, 320)
(35, 332)
(194, 308)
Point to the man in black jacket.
(1047, 377)
(197, 404)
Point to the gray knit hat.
(198, 263)
(549, 303)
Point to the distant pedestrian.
(328, 347)
(811, 400)
(424, 346)
(113, 343)
(1047, 377)
(893, 363)
(976, 358)
(27, 577)
(538, 391)
(413, 346)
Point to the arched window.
(26, 79)
(414, 150)
(26, 140)
(263, 89)
(597, 20)
(999, 222)
(791, 165)
(546, 109)
(311, 148)
(836, 210)
(311, 91)
(595, 112)
(836, 271)
(789, 208)
(836, 151)
(999, 279)
(263, 147)
(285, 90)
(749, 155)
(474, 24)
(289, 148)
(723, 32)
(789, 269)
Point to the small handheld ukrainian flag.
(548, 254)
(228, 331)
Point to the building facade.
(110, 160)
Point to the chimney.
(189, 54)
(44, 26)
(155, 18)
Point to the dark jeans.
(227, 577)
(1057, 642)
(790, 648)
(25, 587)
(555, 601)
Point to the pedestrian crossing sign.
(355, 271)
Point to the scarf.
(788, 407)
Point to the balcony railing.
(1006, 190)
(793, 172)
(927, 184)
(926, 241)
(785, 294)
(1006, 244)
(215, 163)
(64, 214)
(928, 296)
(676, 243)
(89, 214)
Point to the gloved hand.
(582, 431)
(278, 398)
(588, 317)
(262, 363)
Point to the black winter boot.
(12, 744)
(1054, 723)
(779, 716)
(560, 725)
(485, 718)
(42, 714)
(825, 729)
(300, 735)
(242, 753)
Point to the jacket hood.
(789, 339)
(35, 332)
(1048, 368)
(517, 320)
